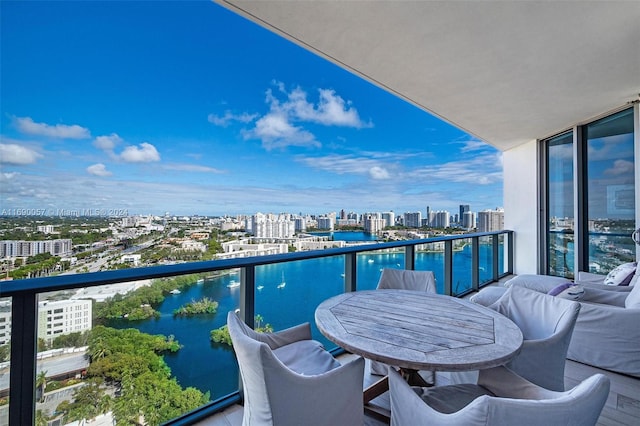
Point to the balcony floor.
(622, 406)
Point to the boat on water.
(175, 291)
(283, 282)
(260, 287)
(233, 284)
(370, 260)
(200, 281)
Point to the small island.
(196, 307)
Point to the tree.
(41, 385)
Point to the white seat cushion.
(306, 357)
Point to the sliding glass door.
(610, 192)
(589, 197)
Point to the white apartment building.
(442, 219)
(16, 248)
(389, 218)
(326, 222)
(47, 229)
(469, 220)
(272, 226)
(373, 224)
(491, 220)
(5, 322)
(413, 219)
(63, 317)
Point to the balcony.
(462, 264)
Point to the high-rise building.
(468, 220)
(463, 209)
(389, 218)
(373, 224)
(491, 220)
(442, 219)
(413, 219)
(13, 248)
(326, 222)
(272, 226)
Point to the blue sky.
(188, 108)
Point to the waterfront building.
(413, 219)
(469, 220)
(463, 209)
(441, 219)
(272, 226)
(491, 220)
(326, 222)
(373, 224)
(389, 218)
(21, 248)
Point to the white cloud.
(98, 169)
(282, 126)
(480, 169)
(275, 131)
(620, 167)
(473, 145)
(229, 118)
(17, 155)
(107, 143)
(60, 131)
(347, 164)
(192, 168)
(378, 172)
(143, 153)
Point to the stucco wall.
(521, 205)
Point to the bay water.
(212, 367)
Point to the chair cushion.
(633, 299)
(452, 398)
(621, 275)
(306, 357)
(569, 291)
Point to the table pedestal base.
(412, 377)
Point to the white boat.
(260, 287)
(175, 291)
(370, 260)
(283, 283)
(233, 284)
(200, 281)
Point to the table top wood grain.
(419, 330)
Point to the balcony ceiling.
(507, 72)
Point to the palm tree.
(41, 384)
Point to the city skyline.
(189, 108)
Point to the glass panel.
(485, 259)
(430, 257)
(610, 191)
(5, 357)
(125, 349)
(287, 294)
(461, 275)
(371, 264)
(560, 220)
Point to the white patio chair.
(547, 324)
(402, 279)
(290, 379)
(501, 397)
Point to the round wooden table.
(418, 331)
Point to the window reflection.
(610, 191)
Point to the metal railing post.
(475, 263)
(410, 257)
(448, 267)
(248, 294)
(24, 341)
(350, 272)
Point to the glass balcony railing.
(125, 343)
